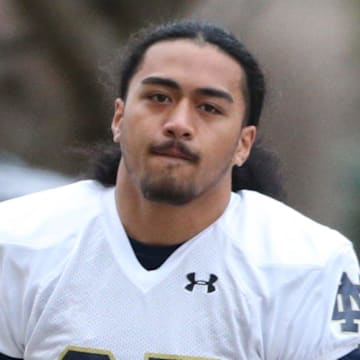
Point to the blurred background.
(53, 61)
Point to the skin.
(187, 96)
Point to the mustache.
(191, 155)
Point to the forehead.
(192, 64)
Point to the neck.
(163, 224)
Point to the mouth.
(174, 150)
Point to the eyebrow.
(207, 91)
(155, 80)
(216, 93)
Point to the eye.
(210, 109)
(159, 98)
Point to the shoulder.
(40, 232)
(297, 268)
(271, 232)
(38, 219)
(39, 235)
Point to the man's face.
(180, 129)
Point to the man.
(169, 263)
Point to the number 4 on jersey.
(347, 305)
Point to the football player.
(167, 254)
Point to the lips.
(174, 150)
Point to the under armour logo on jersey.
(209, 284)
(347, 304)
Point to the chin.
(168, 193)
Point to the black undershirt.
(152, 257)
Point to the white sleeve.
(316, 312)
(342, 320)
(12, 281)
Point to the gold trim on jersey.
(87, 351)
(153, 356)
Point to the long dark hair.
(261, 171)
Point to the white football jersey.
(261, 282)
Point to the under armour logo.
(347, 305)
(210, 284)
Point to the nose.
(179, 124)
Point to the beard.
(167, 185)
(168, 189)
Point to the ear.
(116, 121)
(245, 143)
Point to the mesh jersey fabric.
(259, 283)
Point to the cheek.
(126, 141)
(133, 141)
(224, 143)
(226, 153)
